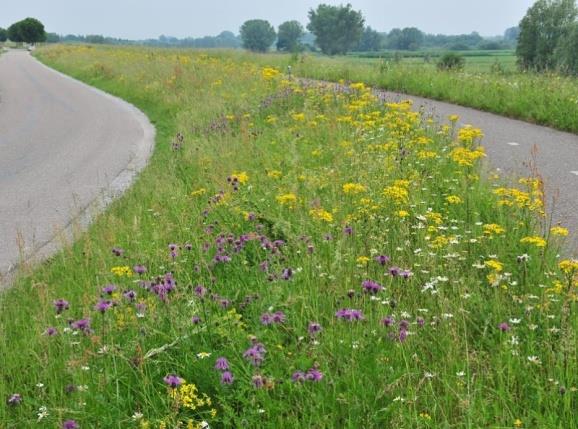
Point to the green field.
(343, 256)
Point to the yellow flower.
(535, 240)
(469, 134)
(298, 117)
(288, 200)
(453, 199)
(121, 271)
(426, 154)
(270, 73)
(568, 266)
(454, 118)
(493, 228)
(198, 192)
(559, 230)
(362, 260)
(494, 265)
(518, 423)
(402, 213)
(274, 174)
(353, 188)
(396, 193)
(241, 176)
(466, 157)
(321, 215)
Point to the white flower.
(534, 359)
(40, 385)
(460, 373)
(42, 412)
(515, 321)
(137, 416)
(85, 368)
(429, 375)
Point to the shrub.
(451, 61)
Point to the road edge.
(141, 151)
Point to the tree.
(288, 36)
(52, 38)
(28, 30)
(567, 52)
(338, 29)
(408, 39)
(545, 24)
(511, 34)
(370, 40)
(257, 35)
(3, 35)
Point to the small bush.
(451, 61)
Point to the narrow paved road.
(65, 148)
(509, 144)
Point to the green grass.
(546, 99)
(277, 176)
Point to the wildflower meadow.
(296, 255)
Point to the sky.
(142, 19)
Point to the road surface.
(66, 149)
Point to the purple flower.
(258, 381)
(14, 399)
(404, 324)
(173, 247)
(117, 251)
(227, 378)
(387, 321)
(504, 327)
(200, 291)
(394, 271)
(173, 381)
(50, 331)
(103, 305)
(278, 317)
(222, 364)
(139, 269)
(188, 247)
(406, 274)
(348, 230)
(314, 328)
(298, 377)
(266, 319)
(195, 320)
(402, 335)
(349, 314)
(70, 424)
(255, 354)
(109, 289)
(130, 295)
(420, 322)
(82, 325)
(382, 259)
(275, 318)
(287, 274)
(60, 305)
(369, 286)
(314, 375)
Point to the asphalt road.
(66, 150)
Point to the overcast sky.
(141, 19)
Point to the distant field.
(293, 257)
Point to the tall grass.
(343, 256)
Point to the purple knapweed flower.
(298, 377)
(382, 259)
(420, 322)
(103, 305)
(117, 251)
(200, 291)
(195, 320)
(108, 289)
(402, 335)
(14, 399)
(82, 325)
(349, 314)
(404, 324)
(139, 269)
(348, 230)
(50, 331)
(406, 274)
(130, 295)
(173, 247)
(70, 424)
(387, 321)
(369, 286)
(394, 271)
(173, 381)
(314, 328)
(60, 305)
(222, 364)
(258, 381)
(314, 375)
(278, 317)
(255, 355)
(504, 327)
(227, 378)
(287, 274)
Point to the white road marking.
(513, 144)
(574, 173)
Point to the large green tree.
(370, 40)
(257, 35)
(408, 39)
(546, 23)
(288, 36)
(567, 51)
(337, 29)
(29, 30)
(3, 35)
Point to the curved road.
(510, 143)
(66, 149)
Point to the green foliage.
(370, 41)
(257, 35)
(543, 27)
(451, 62)
(567, 52)
(3, 34)
(511, 34)
(338, 29)
(408, 39)
(29, 30)
(289, 35)
(52, 38)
